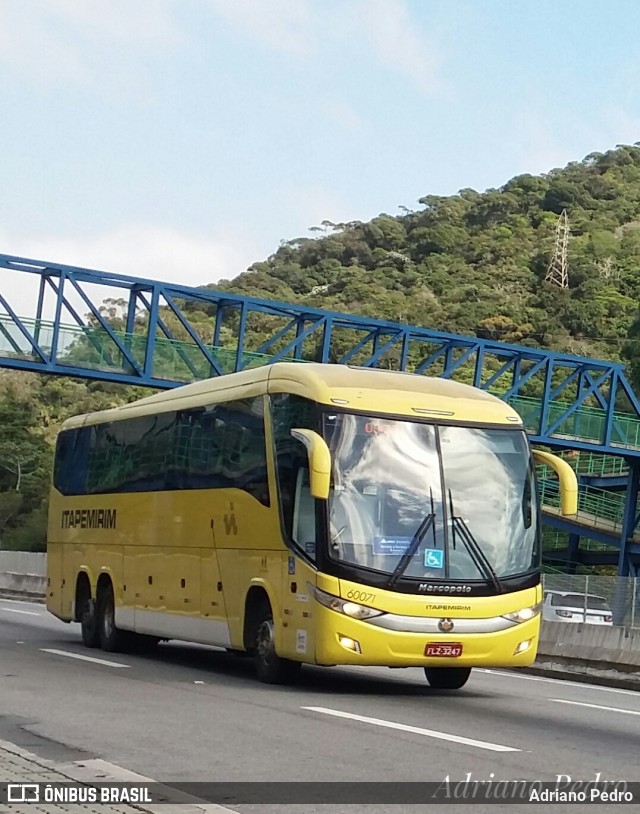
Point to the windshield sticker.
(433, 558)
(391, 546)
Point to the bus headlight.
(523, 615)
(352, 609)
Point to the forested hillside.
(475, 263)
(471, 263)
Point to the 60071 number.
(360, 596)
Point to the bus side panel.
(186, 529)
(125, 615)
(171, 572)
(88, 529)
(250, 552)
(214, 625)
(242, 570)
(55, 582)
(56, 575)
(298, 631)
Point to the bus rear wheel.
(447, 678)
(111, 639)
(89, 623)
(271, 669)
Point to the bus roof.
(357, 388)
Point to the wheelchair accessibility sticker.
(433, 558)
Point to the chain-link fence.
(591, 599)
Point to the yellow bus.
(305, 513)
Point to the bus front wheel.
(271, 669)
(447, 678)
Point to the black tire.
(447, 678)
(271, 669)
(89, 623)
(111, 639)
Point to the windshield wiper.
(427, 523)
(476, 553)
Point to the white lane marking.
(596, 706)
(15, 610)
(564, 682)
(430, 733)
(83, 658)
(107, 772)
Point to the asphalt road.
(188, 713)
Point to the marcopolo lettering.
(429, 587)
(88, 519)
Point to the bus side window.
(304, 514)
(223, 447)
(70, 469)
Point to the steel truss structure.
(164, 335)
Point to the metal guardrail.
(181, 360)
(554, 540)
(594, 504)
(590, 594)
(590, 463)
(586, 423)
(93, 348)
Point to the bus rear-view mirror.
(567, 480)
(319, 461)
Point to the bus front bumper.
(343, 640)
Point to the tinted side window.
(287, 412)
(70, 468)
(217, 447)
(222, 447)
(132, 455)
(244, 454)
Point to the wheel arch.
(104, 581)
(83, 592)
(257, 597)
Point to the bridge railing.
(590, 463)
(594, 505)
(92, 348)
(181, 360)
(554, 540)
(585, 423)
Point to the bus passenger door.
(299, 578)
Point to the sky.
(183, 140)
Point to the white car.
(568, 606)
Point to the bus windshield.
(428, 501)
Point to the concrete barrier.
(595, 653)
(23, 573)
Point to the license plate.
(444, 649)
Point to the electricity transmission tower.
(558, 271)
